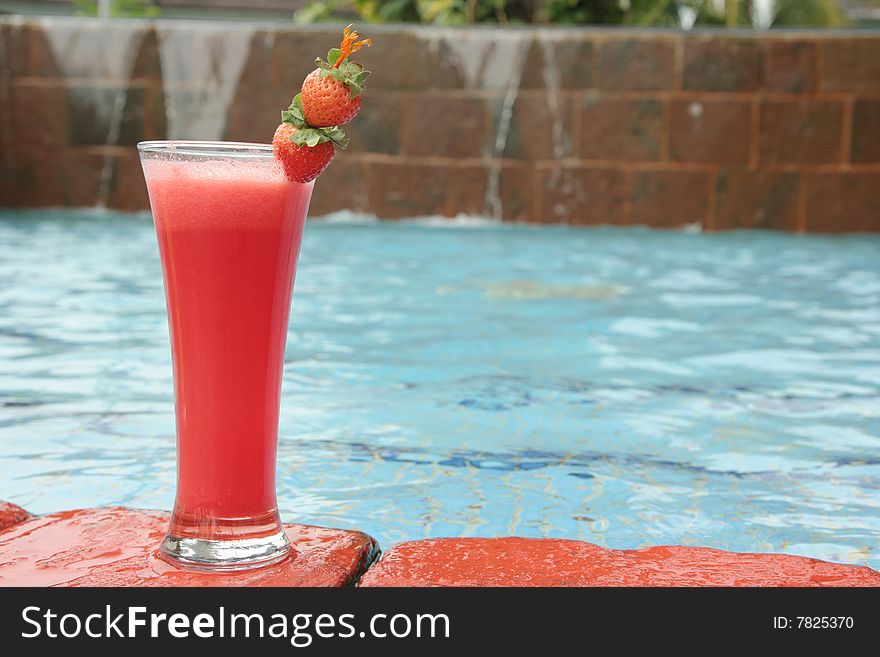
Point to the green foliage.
(816, 13)
(118, 8)
(645, 13)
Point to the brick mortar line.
(72, 83)
(364, 159)
(404, 93)
(645, 165)
(641, 94)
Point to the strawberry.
(327, 101)
(331, 94)
(301, 163)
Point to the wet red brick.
(619, 128)
(39, 113)
(850, 63)
(801, 131)
(445, 126)
(580, 195)
(255, 111)
(721, 64)
(790, 66)
(397, 190)
(756, 199)
(710, 131)
(340, 187)
(32, 179)
(147, 65)
(866, 131)
(566, 63)
(415, 188)
(155, 122)
(129, 191)
(668, 199)
(116, 547)
(516, 192)
(420, 111)
(14, 39)
(466, 193)
(636, 64)
(412, 189)
(406, 189)
(291, 57)
(11, 514)
(92, 115)
(538, 129)
(551, 562)
(843, 202)
(41, 59)
(399, 61)
(377, 126)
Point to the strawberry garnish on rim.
(331, 94)
(330, 97)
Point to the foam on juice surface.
(221, 194)
(264, 170)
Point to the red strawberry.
(331, 94)
(301, 163)
(327, 100)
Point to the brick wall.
(728, 130)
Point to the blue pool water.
(622, 386)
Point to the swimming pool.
(463, 378)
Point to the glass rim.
(225, 149)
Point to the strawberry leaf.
(307, 137)
(311, 137)
(333, 73)
(333, 56)
(294, 114)
(337, 136)
(354, 89)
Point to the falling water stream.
(88, 51)
(201, 66)
(495, 65)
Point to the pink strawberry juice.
(229, 237)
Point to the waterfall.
(87, 50)
(561, 140)
(489, 64)
(201, 66)
(550, 74)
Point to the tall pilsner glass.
(229, 226)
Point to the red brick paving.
(11, 514)
(551, 562)
(116, 547)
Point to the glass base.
(227, 555)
